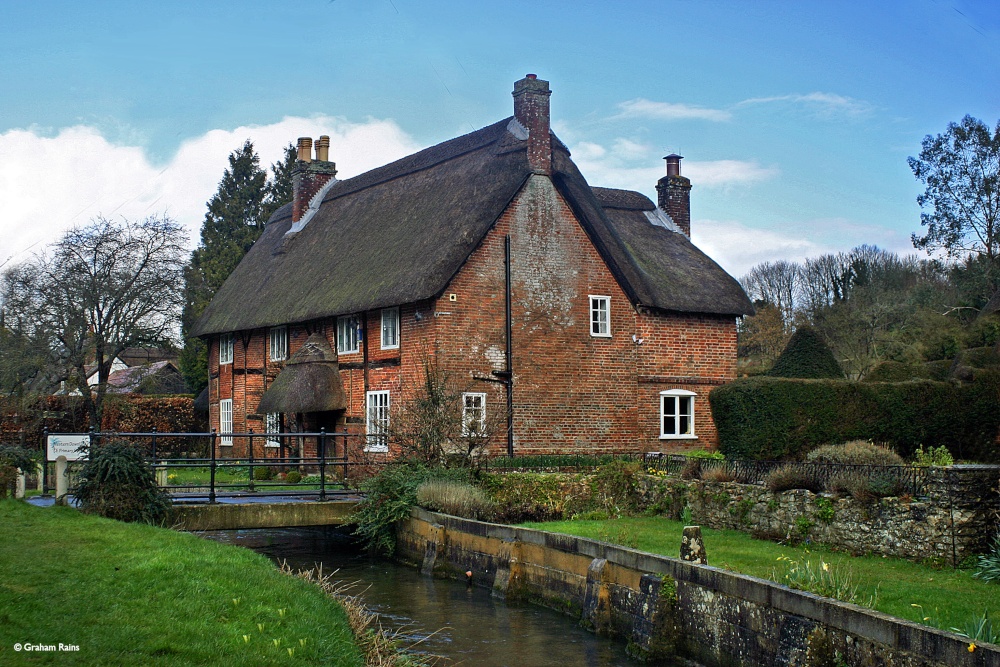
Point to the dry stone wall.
(950, 522)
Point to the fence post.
(211, 470)
(250, 460)
(153, 431)
(322, 464)
(45, 461)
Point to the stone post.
(19, 488)
(692, 546)
(62, 481)
(41, 478)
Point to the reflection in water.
(446, 618)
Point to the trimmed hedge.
(806, 356)
(779, 418)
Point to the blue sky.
(795, 118)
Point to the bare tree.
(775, 283)
(444, 420)
(98, 290)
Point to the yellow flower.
(972, 647)
(826, 567)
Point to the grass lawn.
(951, 598)
(130, 594)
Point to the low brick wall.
(664, 606)
(954, 520)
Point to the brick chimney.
(674, 194)
(531, 109)
(308, 175)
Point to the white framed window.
(677, 414)
(226, 345)
(377, 421)
(390, 328)
(473, 414)
(600, 316)
(272, 426)
(279, 343)
(226, 422)
(348, 334)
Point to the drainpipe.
(510, 366)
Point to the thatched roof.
(309, 382)
(399, 234)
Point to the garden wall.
(664, 606)
(952, 521)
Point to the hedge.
(778, 418)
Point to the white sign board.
(68, 446)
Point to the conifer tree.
(236, 216)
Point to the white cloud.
(616, 168)
(738, 248)
(49, 184)
(643, 108)
(825, 104)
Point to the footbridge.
(244, 512)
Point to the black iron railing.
(192, 465)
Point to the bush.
(865, 486)
(263, 473)
(790, 477)
(12, 458)
(855, 452)
(934, 456)
(455, 498)
(717, 475)
(691, 469)
(615, 487)
(389, 496)
(118, 483)
(988, 567)
(293, 477)
(775, 418)
(806, 356)
(529, 496)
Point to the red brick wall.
(572, 391)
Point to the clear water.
(440, 617)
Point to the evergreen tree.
(236, 216)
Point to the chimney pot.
(674, 164)
(305, 148)
(323, 149)
(531, 76)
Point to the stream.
(440, 617)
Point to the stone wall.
(667, 607)
(952, 521)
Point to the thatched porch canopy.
(309, 382)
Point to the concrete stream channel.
(465, 624)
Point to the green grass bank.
(130, 594)
(947, 598)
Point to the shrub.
(455, 498)
(615, 487)
(865, 486)
(806, 356)
(691, 469)
(714, 455)
(988, 566)
(529, 496)
(855, 452)
(934, 456)
(263, 474)
(790, 477)
(717, 475)
(389, 496)
(118, 483)
(293, 477)
(12, 458)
